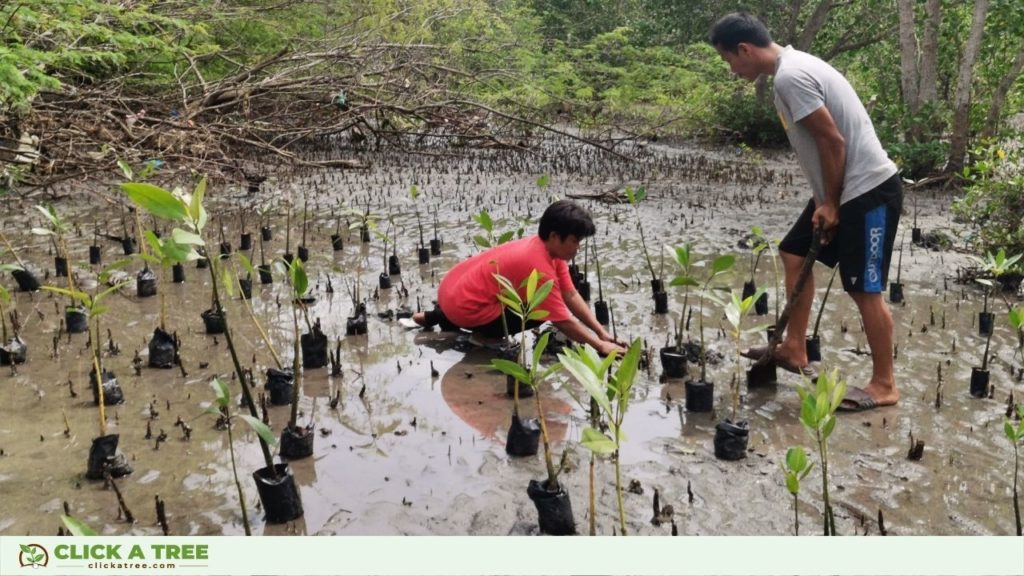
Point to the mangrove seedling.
(221, 409)
(995, 266)
(635, 197)
(27, 281)
(818, 404)
(612, 392)
(1016, 437)
(56, 230)
(601, 311)
(761, 244)
(673, 359)
(700, 393)
(1016, 316)
(166, 252)
(296, 441)
(551, 499)
(896, 288)
(422, 252)
(796, 468)
(303, 247)
(814, 340)
(487, 224)
(103, 455)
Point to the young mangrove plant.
(297, 441)
(818, 404)
(635, 197)
(1016, 438)
(795, 468)
(813, 344)
(487, 224)
(601, 311)
(75, 318)
(103, 454)
(673, 358)
(994, 266)
(27, 281)
(422, 252)
(731, 434)
(275, 483)
(612, 393)
(221, 409)
(700, 393)
(166, 253)
(761, 244)
(554, 508)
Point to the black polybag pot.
(554, 509)
(15, 351)
(266, 233)
(813, 348)
(423, 254)
(657, 285)
(700, 396)
(731, 439)
(265, 276)
(385, 281)
(297, 442)
(661, 302)
(128, 246)
(303, 253)
(145, 283)
(245, 242)
(214, 321)
(245, 287)
(95, 255)
(915, 235)
(279, 384)
(762, 374)
(27, 281)
(103, 455)
(601, 312)
(896, 292)
(435, 246)
(178, 273)
(76, 319)
(337, 242)
(985, 322)
(112, 393)
(161, 349)
(60, 266)
(314, 348)
(749, 289)
(364, 235)
(394, 266)
(761, 305)
(979, 382)
(584, 289)
(510, 388)
(523, 437)
(672, 362)
(279, 496)
(355, 325)
(225, 248)
(288, 257)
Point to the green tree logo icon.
(33, 555)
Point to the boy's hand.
(605, 348)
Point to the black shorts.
(863, 244)
(493, 329)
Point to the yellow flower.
(1001, 154)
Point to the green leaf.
(262, 429)
(594, 385)
(597, 442)
(156, 201)
(792, 484)
(722, 263)
(830, 425)
(221, 390)
(41, 231)
(1017, 317)
(246, 263)
(51, 215)
(484, 220)
(538, 315)
(543, 181)
(10, 267)
(506, 237)
(481, 241)
(126, 169)
(414, 192)
(512, 369)
(640, 194)
(76, 526)
(540, 295)
(184, 237)
(195, 206)
(300, 282)
(683, 281)
(1009, 430)
(796, 459)
(538, 350)
(73, 294)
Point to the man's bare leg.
(793, 347)
(878, 326)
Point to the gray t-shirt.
(804, 83)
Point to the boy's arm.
(600, 337)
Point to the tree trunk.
(927, 90)
(908, 56)
(995, 109)
(962, 98)
(814, 25)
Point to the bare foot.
(884, 394)
(420, 318)
(793, 355)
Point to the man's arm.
(832, 152)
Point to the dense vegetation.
(642, 67)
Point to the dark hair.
(566, 217)
(732, 29)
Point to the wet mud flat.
(399, 450)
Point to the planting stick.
(263, 333)
(801, 281)
(817, 321)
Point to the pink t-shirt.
(468, 294)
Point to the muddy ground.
(403, 452)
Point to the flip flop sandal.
(856, 400)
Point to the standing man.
(468, 295)
(857, 198)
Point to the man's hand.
(826, 219)
(605, 348)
